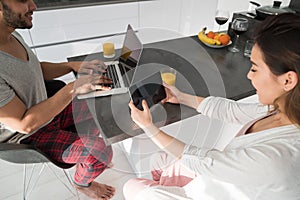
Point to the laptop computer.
(122, 70)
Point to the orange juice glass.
(168, 75)
(108, 50)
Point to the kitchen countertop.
(201, 70)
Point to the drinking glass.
(168, 75)
(108, 49)
(238, 26)
(221, 17)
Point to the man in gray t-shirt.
(14, 72)
(28, 116)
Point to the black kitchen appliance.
(262, 12)
(254, 21)
(295, 5)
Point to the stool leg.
(68, 178)
(71, 181)
(24, 182)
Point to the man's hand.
(89, 67)
(91, 82)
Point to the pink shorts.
(166, 171)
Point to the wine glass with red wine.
(238, 26)
(221, 17)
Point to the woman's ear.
(291, 80)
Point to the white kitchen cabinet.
(60, 52)
(164, 14)
(58, 34)
(175, 18)
(197, 14)
(52, 26)
(62, 33)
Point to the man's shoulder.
(17, 35)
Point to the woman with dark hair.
(263, 160)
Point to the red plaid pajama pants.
(82, 146)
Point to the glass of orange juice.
(108, 49)
(168, 75)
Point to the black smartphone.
(149, 89)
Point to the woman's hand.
(142, 118)
(164, 141)
(89, 67)
(91, 82)
(176, 96)
(172, 94)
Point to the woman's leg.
(134, 186)
(166, 171)
(169, 171)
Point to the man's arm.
(54, 70)
(18, 117)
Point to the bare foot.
(156, 174)
(110, 165)
(97, 191)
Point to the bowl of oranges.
(214, 39)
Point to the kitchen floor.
(49, 187)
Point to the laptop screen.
(130, 52)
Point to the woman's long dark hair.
(278, 37)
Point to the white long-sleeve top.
(262, 166)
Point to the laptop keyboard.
(111, 72)
(125, 74)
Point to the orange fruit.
(217, 35)
(210, 34)
(224, 39)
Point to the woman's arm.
(163, 140)
(245, 163)
(217, 107)
(144, 120)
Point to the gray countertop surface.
(201, 71)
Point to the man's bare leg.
(97, 191)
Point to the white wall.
(186, 17)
